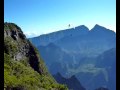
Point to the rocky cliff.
(24, 69)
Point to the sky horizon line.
(33, 34)
(44, 16)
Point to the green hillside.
(24, 68)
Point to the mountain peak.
(72, 82)
(82, 27)
(58, 74)
(73, 77)
(97, 26)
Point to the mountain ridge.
(73, 28)
(77, 52)
(24, 69)
(45, 39)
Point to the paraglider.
(69, 25)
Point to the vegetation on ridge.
(19, 74)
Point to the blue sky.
(37, 17)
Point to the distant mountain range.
(80, 40)
(90, 55)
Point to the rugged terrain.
(24, 68)
(90, 55)
(71, 82)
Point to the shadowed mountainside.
(72, 82)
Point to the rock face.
(72, 82)
(24, 48)
(23, 67)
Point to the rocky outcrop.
(24, 48)
(23, 66)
